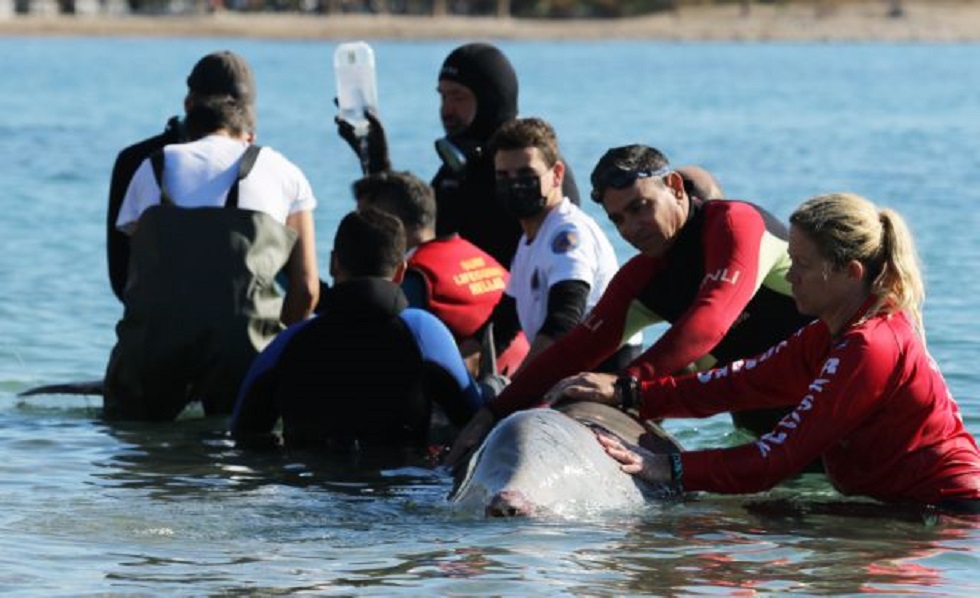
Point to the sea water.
(87, 508)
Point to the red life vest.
(463, 282)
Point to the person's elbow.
(309, 293)
(301, 297)
(303, 291)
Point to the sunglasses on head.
(620, 178)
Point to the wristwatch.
(628, 389)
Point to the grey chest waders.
(201, 301)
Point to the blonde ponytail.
(846, 227)
(900, 282)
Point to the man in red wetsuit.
(448, 276)
(714, 270)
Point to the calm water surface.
(140, 510)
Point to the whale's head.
(542, 462)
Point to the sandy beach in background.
(923, 21)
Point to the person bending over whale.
(868, 397)
(713, 269)
(366, 370)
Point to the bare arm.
(304, 277)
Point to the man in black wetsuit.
(478, 92)
(365, 372)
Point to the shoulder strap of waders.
(156, 161)
(244, 167)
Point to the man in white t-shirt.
(211, 223)
(563, 261)
(199, 174)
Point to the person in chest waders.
(211, 223)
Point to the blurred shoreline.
(943, 21)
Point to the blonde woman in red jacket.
(869, 399)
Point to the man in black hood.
(478, 92)
(485, 73)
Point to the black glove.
(372, 148)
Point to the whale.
(546, 462)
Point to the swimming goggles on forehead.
(621, 178)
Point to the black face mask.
(521, 196)
(457, 152)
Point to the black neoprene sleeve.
(566, 307)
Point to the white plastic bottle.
(357, 87)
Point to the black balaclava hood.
(489, 75)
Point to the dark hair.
(400, 193)
(628, 158)
(522, 133)
(207, 114)
(369, 243)
(223, 73)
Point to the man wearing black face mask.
(478, 93)
(563, 261)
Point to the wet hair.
(401, 194)
(207, 114)
(523, 133)
(369, 242)
(627, 158)
(846, 226)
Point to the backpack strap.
(244, 167)
(156, 161)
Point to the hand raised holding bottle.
(371, 147)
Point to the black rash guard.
(128, 160)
